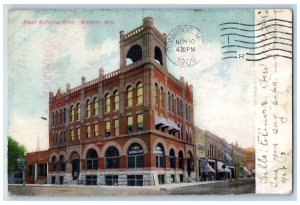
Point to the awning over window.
(246, 171)
(228, 157)
(220, 169)
(207, 168)
(166, 123)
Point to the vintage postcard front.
(191, 101)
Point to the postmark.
(184, 44)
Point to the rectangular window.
(52, 118)
(72, 114)
(42, 170)
(107, 128)
(111, 180)
(129, 124)
(135, 180)
(96, 106)
(78, 133)
(88, 131)
(91, 180)
(116, 127)
(140, 122)
(64, 136)
(116, 101)
(107, 103)
(129, 96)
(65, 116)
(72, 134)
(95, 130)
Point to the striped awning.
(163, 122)
(207, 168)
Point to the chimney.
(148, 21)
(82, 80)
(68, 87)
(121, 33)
(101, 73)
(182, 79)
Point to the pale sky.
(43, 58)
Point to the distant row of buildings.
(216, 159)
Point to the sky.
(43, 58)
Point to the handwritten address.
(273, 119)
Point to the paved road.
(245, 186)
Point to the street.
(242, 186)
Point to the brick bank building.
(129, 127)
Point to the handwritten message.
(273, 103)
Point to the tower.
(144, 43)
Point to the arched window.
(116, 100)
(112, 158)
(135, 53)
(72, 113)
(129, 96)
(65, 118)
(139, 93)
(91, 160)
(135, 155)
(162, 97)
(156, 94)
(62, 164)
(78, 112)
(53, 160)
(178, 107)
(180, 160)
(158, 55)
(88, 109)
(107, 102)
(160, 156)
(172, 159)
(95, 106)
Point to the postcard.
(149, 101)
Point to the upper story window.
(72, 113)
(116, 100)
(139, 93)
(107, 128)
(162, 97)
(140, 122)
(95, 129)
(60, 116)
(129, 124)
(65, 115)
(173, 104)
(72, 134)
(52, 118)
(95, 101)
(107, 102)
(116, 127)
(129, 96)
(178, 107)
(78, 112)
(169, 102)
(88, 109)
(56, 118)
(78, 133)
(88, 131)
(156, 94)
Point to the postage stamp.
(196, 102)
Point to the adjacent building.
(133, 126)
(249, 160)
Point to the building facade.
(249, 154)
(133, 126)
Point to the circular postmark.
(183, 45)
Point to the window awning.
(163, 122)
(207, 168)
(220, 169)
(228, 157)
(173, 125)
(246, 171)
